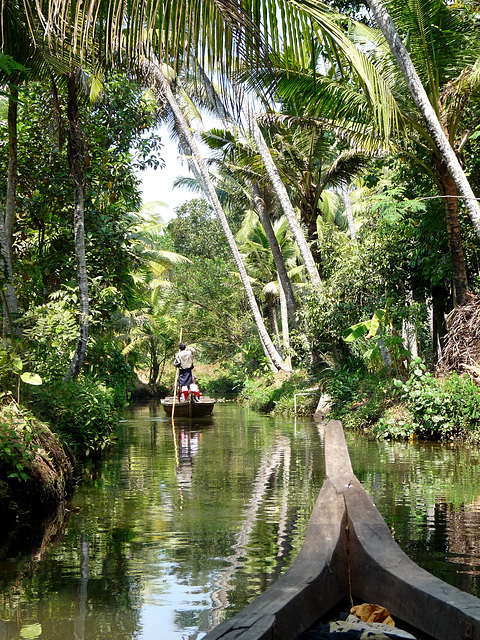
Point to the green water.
(177, 529)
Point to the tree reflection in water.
(178, 528)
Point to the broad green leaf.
(375, 322)
(31, 378)
(356, 331)
(17, 364)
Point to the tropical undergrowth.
(83, 412)
(419, 405)
(275, 393)
(446, 408)
(35, 472)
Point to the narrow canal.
(177, 529)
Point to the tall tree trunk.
(76, 158)
(449, 189)
(281, 191)
(349, 214)
(439, 323)
(285, 331)
(409, 331)
(420, 97)
(259, 204)
(272, 314)
(276, 253)
(12, 167)
(269, 348)
(8, 295)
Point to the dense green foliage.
(84, 412)
(435, 408)
(370, 204)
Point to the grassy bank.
(420, 405)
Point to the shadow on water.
(22, 549)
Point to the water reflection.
(183, 526)
(187, 438)
(429, 494)
(171, 517)
(270, 464)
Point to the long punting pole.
(175, 383)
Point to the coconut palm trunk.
(258, 202)
(269, 348)
(280, 191)
(76, 158)
(459, 271)
(285, 329)
(276, 253)
(425, 107)
(349, 214)
(9, 297)
(12, 166)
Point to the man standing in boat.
(184, 361)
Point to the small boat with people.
(350, 562)
(188, 401)
(191, 407)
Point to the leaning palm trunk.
(76, 157)
(349, 214)
(258, 201)
(280, 191)
(269, 348)
(420, 97)
(276, 253)
(284, 317)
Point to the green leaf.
(31, 378)
(17, 364)
(356, 331)
(378, 316)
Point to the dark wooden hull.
(189, 409)
(349, 551)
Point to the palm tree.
(243, 181)
(309, 162)
(423, 101)
(152, 327)
(281, 192)
(445, 52)
(205, 180)
(255, 246)
(24, 57)
(76, 159)
(227, 38)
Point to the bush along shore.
(45, 439)
(420, 405)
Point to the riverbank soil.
(36, 473)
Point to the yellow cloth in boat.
(372, 613)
